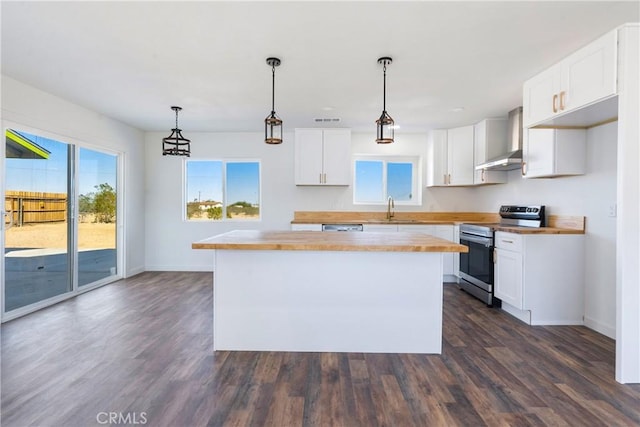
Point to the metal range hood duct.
(513, 158)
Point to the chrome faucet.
(390, 205)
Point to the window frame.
(224, 162)
(416, 178)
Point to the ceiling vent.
(326, 120)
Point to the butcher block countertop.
(315, 241)
(358, 217)
(557, 224)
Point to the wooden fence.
(28, 207)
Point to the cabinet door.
(508, 277)
(589, 74)
(306, 227)
(308, 163)
(420, 228)
(336, 160)
(541, 96)
(460, 155)
(437, 155)
(538, 152)
(380, 227)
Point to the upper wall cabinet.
(451, 157)
(323, 156)
(551, 153)
(490, 140)
(581, 79)
(460, 156)
(437, 158)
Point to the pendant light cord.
(273, 88)
(384, 86)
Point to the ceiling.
(132, 60)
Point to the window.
(378, 177)
(218, 190)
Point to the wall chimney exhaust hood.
(513, 158)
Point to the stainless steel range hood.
(513, 158)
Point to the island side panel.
(378, 302)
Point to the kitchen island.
(327, 292)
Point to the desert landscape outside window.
(219, 190)
(41, 259)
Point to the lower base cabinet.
(540, 278)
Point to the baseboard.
(522, 315)
(606, 330)
(134, 271)
(194, 268)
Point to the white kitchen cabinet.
(322, 156)
(380, 227)
(306, 227)
(490, 140)
(508, 275)
(554, 152)
(437, 158)
(582, 78)
(451, 157)
(460, 156)
(540, 277)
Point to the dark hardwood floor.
(139, 351)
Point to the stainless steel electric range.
(476, 266)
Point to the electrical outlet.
(613, 210)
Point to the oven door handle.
(481, 240)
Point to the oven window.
(478, 262)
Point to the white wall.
(169, 238)
(29, 109)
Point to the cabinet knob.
(555, 103)
(562, 94)
(524, 168)
(482, 176)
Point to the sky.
(204, 181)
(370, 175)
(50, 175)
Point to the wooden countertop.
(337, 241)
(557, 224)
(533, 230)
(399, 218)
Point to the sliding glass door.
(36, 259)
(49, 251)
(97, 198)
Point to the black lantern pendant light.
(273, 124)
(385, 124)
(175, 144)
